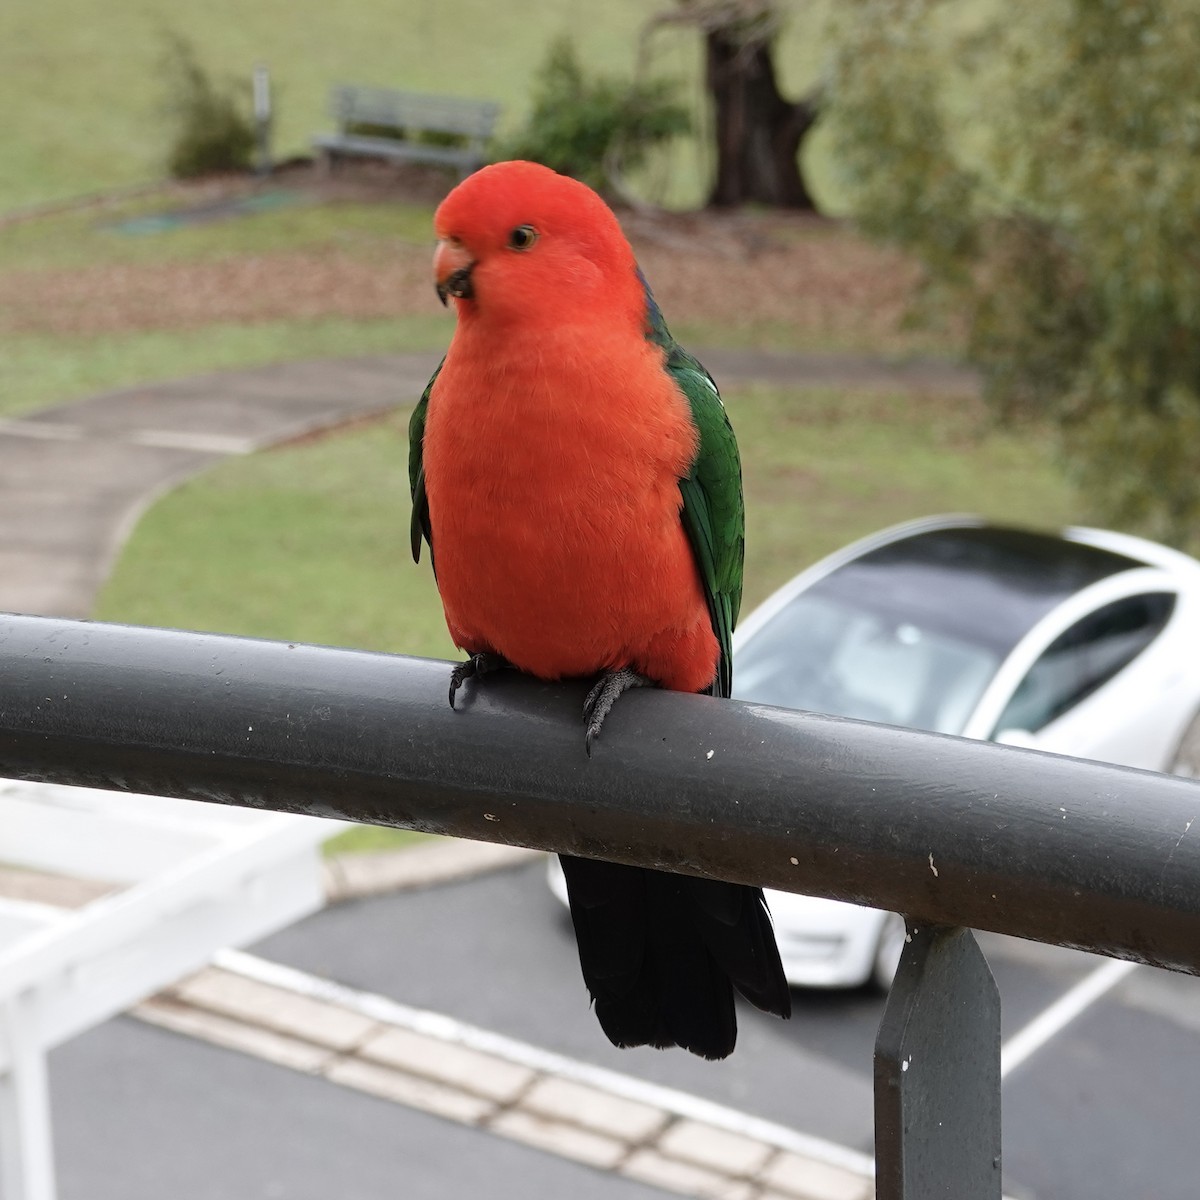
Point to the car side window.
(1084, 657)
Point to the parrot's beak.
(452, 266)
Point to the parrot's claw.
(604, 695)
(476, 667)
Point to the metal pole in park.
(262, 118)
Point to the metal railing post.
(937, 1073)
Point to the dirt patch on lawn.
(188, 295)
(757, 278)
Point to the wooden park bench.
(408, 127)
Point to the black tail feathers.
(662, 954)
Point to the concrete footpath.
(74, 480)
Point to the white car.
(1084, 643)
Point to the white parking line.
(1071, 1004)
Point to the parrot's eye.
(522, 237)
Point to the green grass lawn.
(306, 543)
(82, 92)
(94, 236)
(37, 370)
(368, 839)
(310, 542)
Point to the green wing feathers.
(714, 515)
(713, 512)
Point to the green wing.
(419, 526)
(713, 513)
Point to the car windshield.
(834, 657)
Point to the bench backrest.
(412, 111)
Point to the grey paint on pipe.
(947, 831)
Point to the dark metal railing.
(953, 833)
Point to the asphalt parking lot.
(141, 1114)
(1099, 1096)
(1104, 1107)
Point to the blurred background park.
(1011, 188)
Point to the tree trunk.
(758, 132)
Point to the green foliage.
(1044, 162)
(585, 126)
(213, 129)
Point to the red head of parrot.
(519, 242)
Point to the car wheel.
(892, 937)
(1187, 753)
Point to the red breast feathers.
(555, 440)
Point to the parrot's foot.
(476, 667)
(604, 695)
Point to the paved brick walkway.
(486, 1081)
(509, 1089)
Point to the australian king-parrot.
(577, 479)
